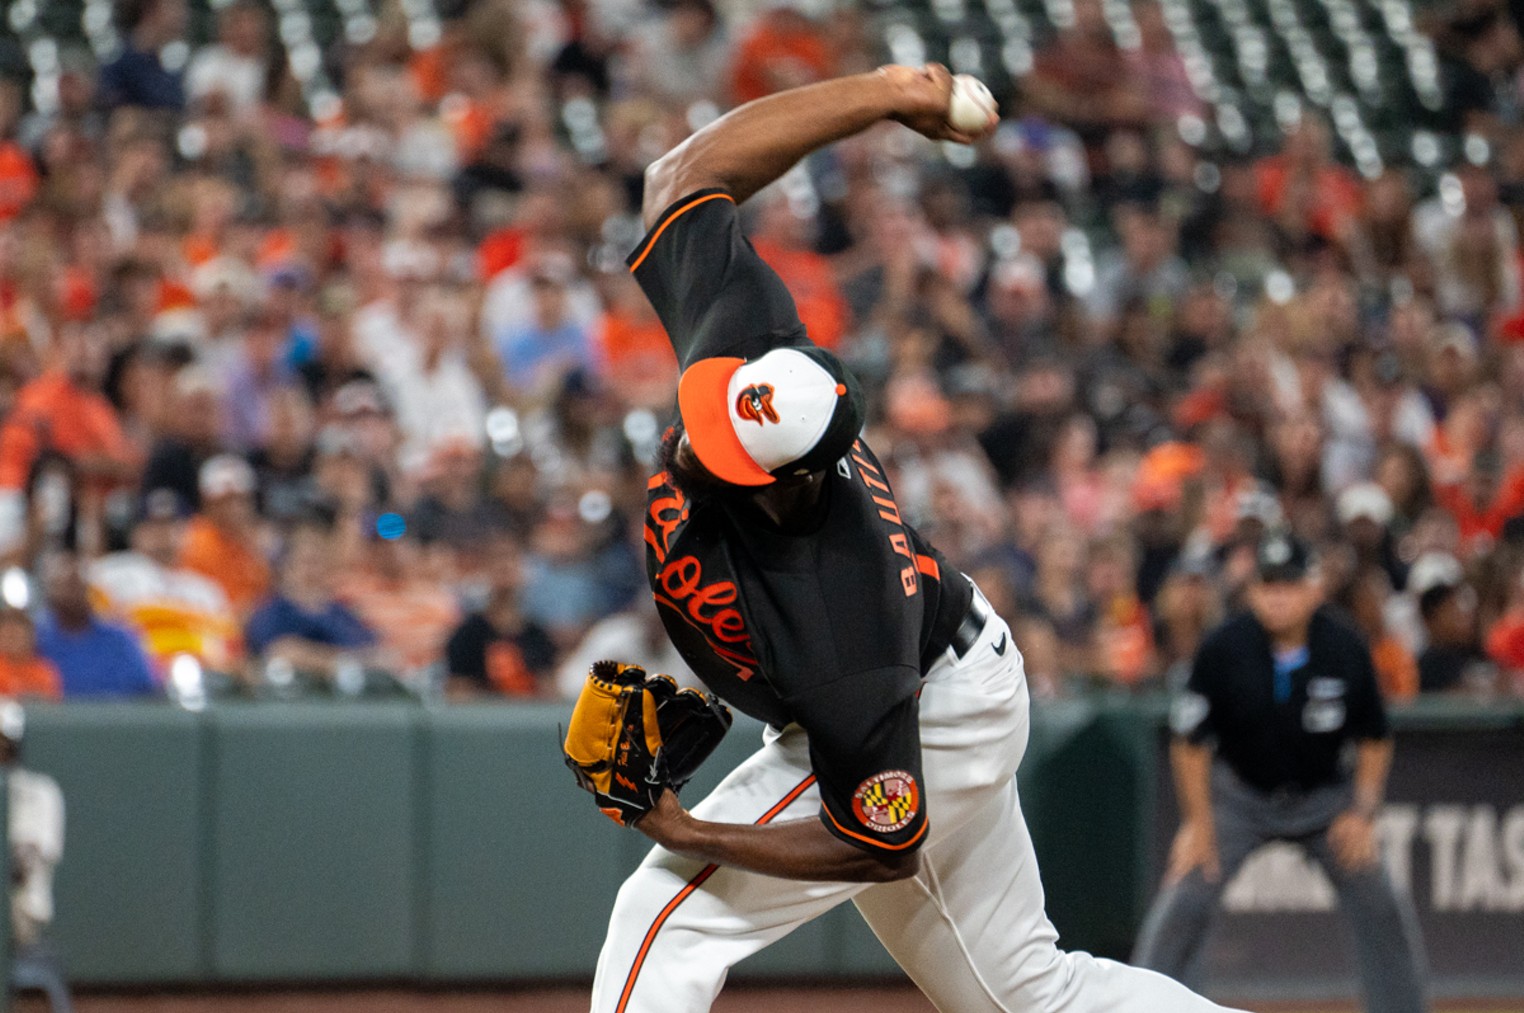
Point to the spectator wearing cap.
(23, 672)
(1364, 511)
(1274, 696)
(302, 622)
(1452, 660)
(222, 540)
(173, 610)
(138, 77)
(498, 650)
(94, 658)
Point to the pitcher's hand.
(921, 99)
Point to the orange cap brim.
(703, 399)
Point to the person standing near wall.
(36, 832)
(1273, 698)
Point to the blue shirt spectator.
(331, 625)
(94, 658)
(137, 77)
(552, 342)
(303, 623)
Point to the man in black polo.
(1273, 698)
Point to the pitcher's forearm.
(795, 849)
(753, 145)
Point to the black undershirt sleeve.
(714, 294)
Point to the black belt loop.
(967, 634)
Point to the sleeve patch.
(887, 801)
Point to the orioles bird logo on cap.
(756, 403)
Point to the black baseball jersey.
(1287, 738)
(833, 629)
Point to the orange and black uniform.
(833, 629)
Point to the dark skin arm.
(794, 849)
(753, 145)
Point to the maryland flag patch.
(887, 801)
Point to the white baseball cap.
(788, 412)
(1365, 499)
(225, 475)
(1434, 569)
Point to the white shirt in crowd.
(216, 68)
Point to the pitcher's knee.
(1043, 979)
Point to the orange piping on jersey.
(928, 566)
(657, 481)
(877, 844)
(687, 891)
(674, 216)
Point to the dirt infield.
(876, 999)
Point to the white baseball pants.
(969, 928)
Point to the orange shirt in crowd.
(1482, 521)
(52, 413)
(1396, 669)
(412, 617)
(1334, 195)
(811, 282)
(1505, 641)
(1125, 640)
(18, 180)
(637, 357)
(783, 50)
(229, 562)
(29, 677)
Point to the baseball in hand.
(971, 104)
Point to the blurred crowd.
(329, 375)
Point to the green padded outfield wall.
(373, 841)
(131, 894)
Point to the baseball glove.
(632, 737)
